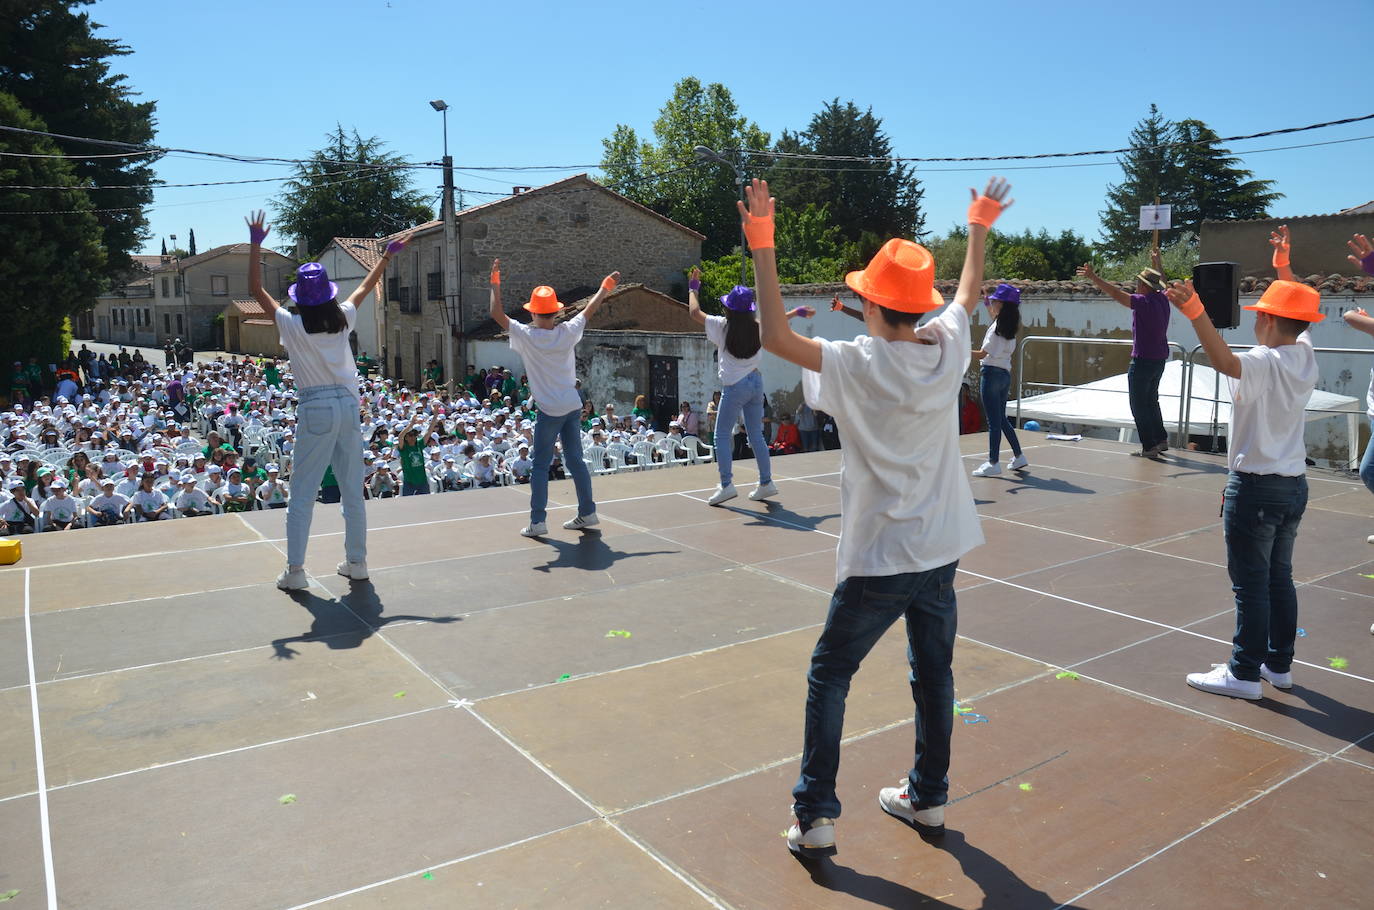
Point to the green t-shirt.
(510, 386)
(19, 380)
(434, 373)
(257, 474)
(364, 366)
(413, 465)
(273, 376)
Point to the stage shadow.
(590, 553)
(1002, 889)
(1326, 715)
(344, 623)
(779, 516)
(1025, 481)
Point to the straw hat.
(901, 276)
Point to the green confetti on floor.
(400, 694)
(288, 798)
(9, 895)
(1067, 674)
(1362, 575)
(1026, 787)
(1339, 663)
(565, 676)
(960, 709)
(617, 633)
(428, 876)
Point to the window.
(179, 330)
(434, 282)
(177, 284)
(406, 305)
(147, 316)
(219, 285)
(166, 323)
(166, 287)
(393, 289)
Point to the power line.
(376, 170)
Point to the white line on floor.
(38, 752)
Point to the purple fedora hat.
(312, 286)
(740, 299)
(1007, 293)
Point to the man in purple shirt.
(1149, 308)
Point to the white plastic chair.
(644, 456)
(595, 457)
(698, 452)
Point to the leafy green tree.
(1178, 257)
(666, 175)
(55, 66)
(1149, 171)
(1212, 186)
(53, 264)
(1021, 261)
(878, 199)
(352, 187)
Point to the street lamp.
(453, 310)
(704, 153)
(185, 298)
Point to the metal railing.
(1060, 340)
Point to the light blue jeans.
(327, 433)
(746, 397)
(568, 428)
(1367, 463)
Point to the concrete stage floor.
(464, 731)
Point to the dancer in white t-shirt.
(908, 512)
(327, 430)
(1004, 306)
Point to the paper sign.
(1156, 217)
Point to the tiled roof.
(258, 322)
(367, 251)
(148, 262)
(1327, 284)
(1365, 209)
(575, 183)
(248, 307)
(209, 254)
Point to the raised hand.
(1363, 252)
(610, 281)
(398, 244)
(496, 271)
(757, 218)
(835, 305)
(694, 279)
(804, 312)
(984, 209)
(1278, 239)
(1182, 296)
(1086, 270)
(257, 227)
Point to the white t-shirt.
(63, 510)
(11, 510)
(272, 493)
(113, 502)
(999, 349)
(905, 502)
(148, 500)
(321, 359)
(551, 363)
(1267, 403)
(192, 499)
(1369, 396)
(732, 369)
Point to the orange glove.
(496, 277)
(835, 305)
(1192, 308)
(608, 283)
(1280, 258)
(759, 231)
(984, 210)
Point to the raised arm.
(1182, 296)
(1106, 287)
(693, 290)
(837, 307)
(257, 232)
(607, 285)
(1360, 320)
(982, 212)
(778, 337)
(1361, 253)
(1279, 241)
(375, 275)
(1156, 261)
(498, 314)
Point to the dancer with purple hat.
(1004, 306)
(327, 431)
(736, 337)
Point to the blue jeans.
(1261, 516)
(327, 433)
(744, 397)
(1142, 384)
(861, 610)
(568, 428)
(811, 440)
(996, 382)
(414, 489)
(1367, 463)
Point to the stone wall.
(1318, 243)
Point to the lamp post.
(185, 299)
(453, 310)
(704, 153)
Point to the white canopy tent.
(1104, 404)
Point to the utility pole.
(704, 153)
(452, 303)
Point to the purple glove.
(395, 247)
(256, 234)
(1367, 263)
(694, 284)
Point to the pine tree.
(1150, 171)
(192, 250)
(1213, 188)
(164, 246)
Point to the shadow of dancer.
(1326, 715)
(1002, 889)
(590, 553)
(1048, 484)
(344, 623)
(779, 516)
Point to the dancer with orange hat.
(1266, 492)
(908, 511)
(547, 349)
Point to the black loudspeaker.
(1218, 285)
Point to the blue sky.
(539, 83)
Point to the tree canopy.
(352, 187)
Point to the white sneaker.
(533, 529)
(722, 494)
(1020, 462)
(581, 522)
(354, 570)
(1369, 539)
(1277, 680)
(987, 469)
(816, 841)
(1220, 682)
(896, 801)
(764, 491)
(290, 580)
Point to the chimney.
(517, 190)
(302, 251)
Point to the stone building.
(567, 235)
(249, 330)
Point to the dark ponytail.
(742, 339)
(1008, 320)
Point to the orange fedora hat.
(543, 301)
(1292, 300)
(901, 276)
